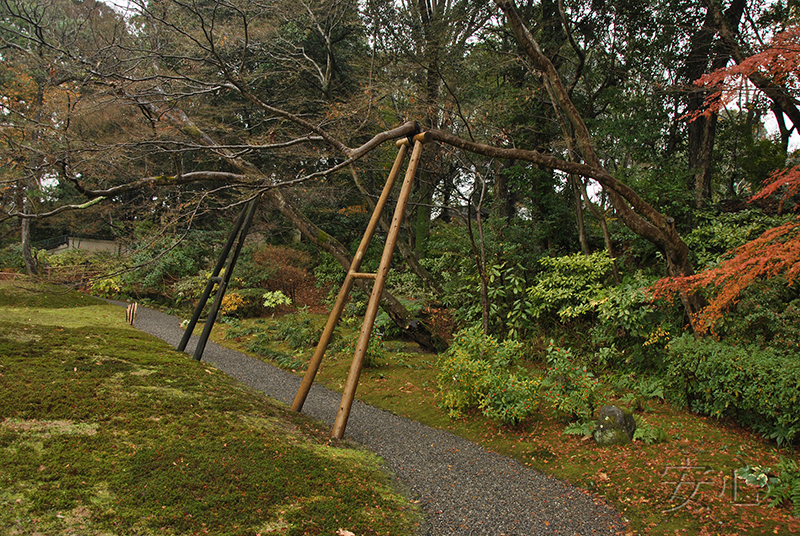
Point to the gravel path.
(463, 488)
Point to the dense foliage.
(756, 386)
(595, 177)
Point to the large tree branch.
(414, 328)
(162, 180)
(62, 208)
(550, 162)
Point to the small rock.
(615, 426)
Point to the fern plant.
(782, 485)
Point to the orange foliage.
(776, 252)
(788, 179)
(780, 63)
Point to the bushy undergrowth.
(755, 385)
(767, 314)
(570, 388)
(475, 372)
(375, 354)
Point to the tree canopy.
(559, 127)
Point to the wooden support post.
(377, 290)
(213, 280)
(130, 313)
(352, 274)
(223, 285)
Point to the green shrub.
(329, 274)
(298, 332)
(474, 373)
(647, 433)
(376, 351)
(571, 388)
(70, 257)
(273, 299)
(510, 397)
(715, 234)
(568, 287)
(236, 329)
(757, 386)
(511, 309)
(11, 257)
(165, 261)
(189, 289)
(767, 314)
(106, 288)
(631, 330)
(405, 283)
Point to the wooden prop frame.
(377, 288)
(240, 229)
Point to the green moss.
(192, 131)
(106, 430)
(28, 294)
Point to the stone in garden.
(615, 426)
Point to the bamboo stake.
(377, 290)
(352, 275)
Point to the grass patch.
(685, 485)
(105, 430)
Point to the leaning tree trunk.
(637, 214)
(414, 328)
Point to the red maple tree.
(777, 251)
(778, 65)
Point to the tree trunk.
(33, 174)
(576, 198)
(704, 56)
(31, 266)
(503, 198)
(601, 218)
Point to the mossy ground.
(105, 430)
(685, 485)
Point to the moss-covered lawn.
(105, 430)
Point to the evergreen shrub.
(570, 388)
(757, 386)
(475, 373)
(569, 286)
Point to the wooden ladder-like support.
(379, 278)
